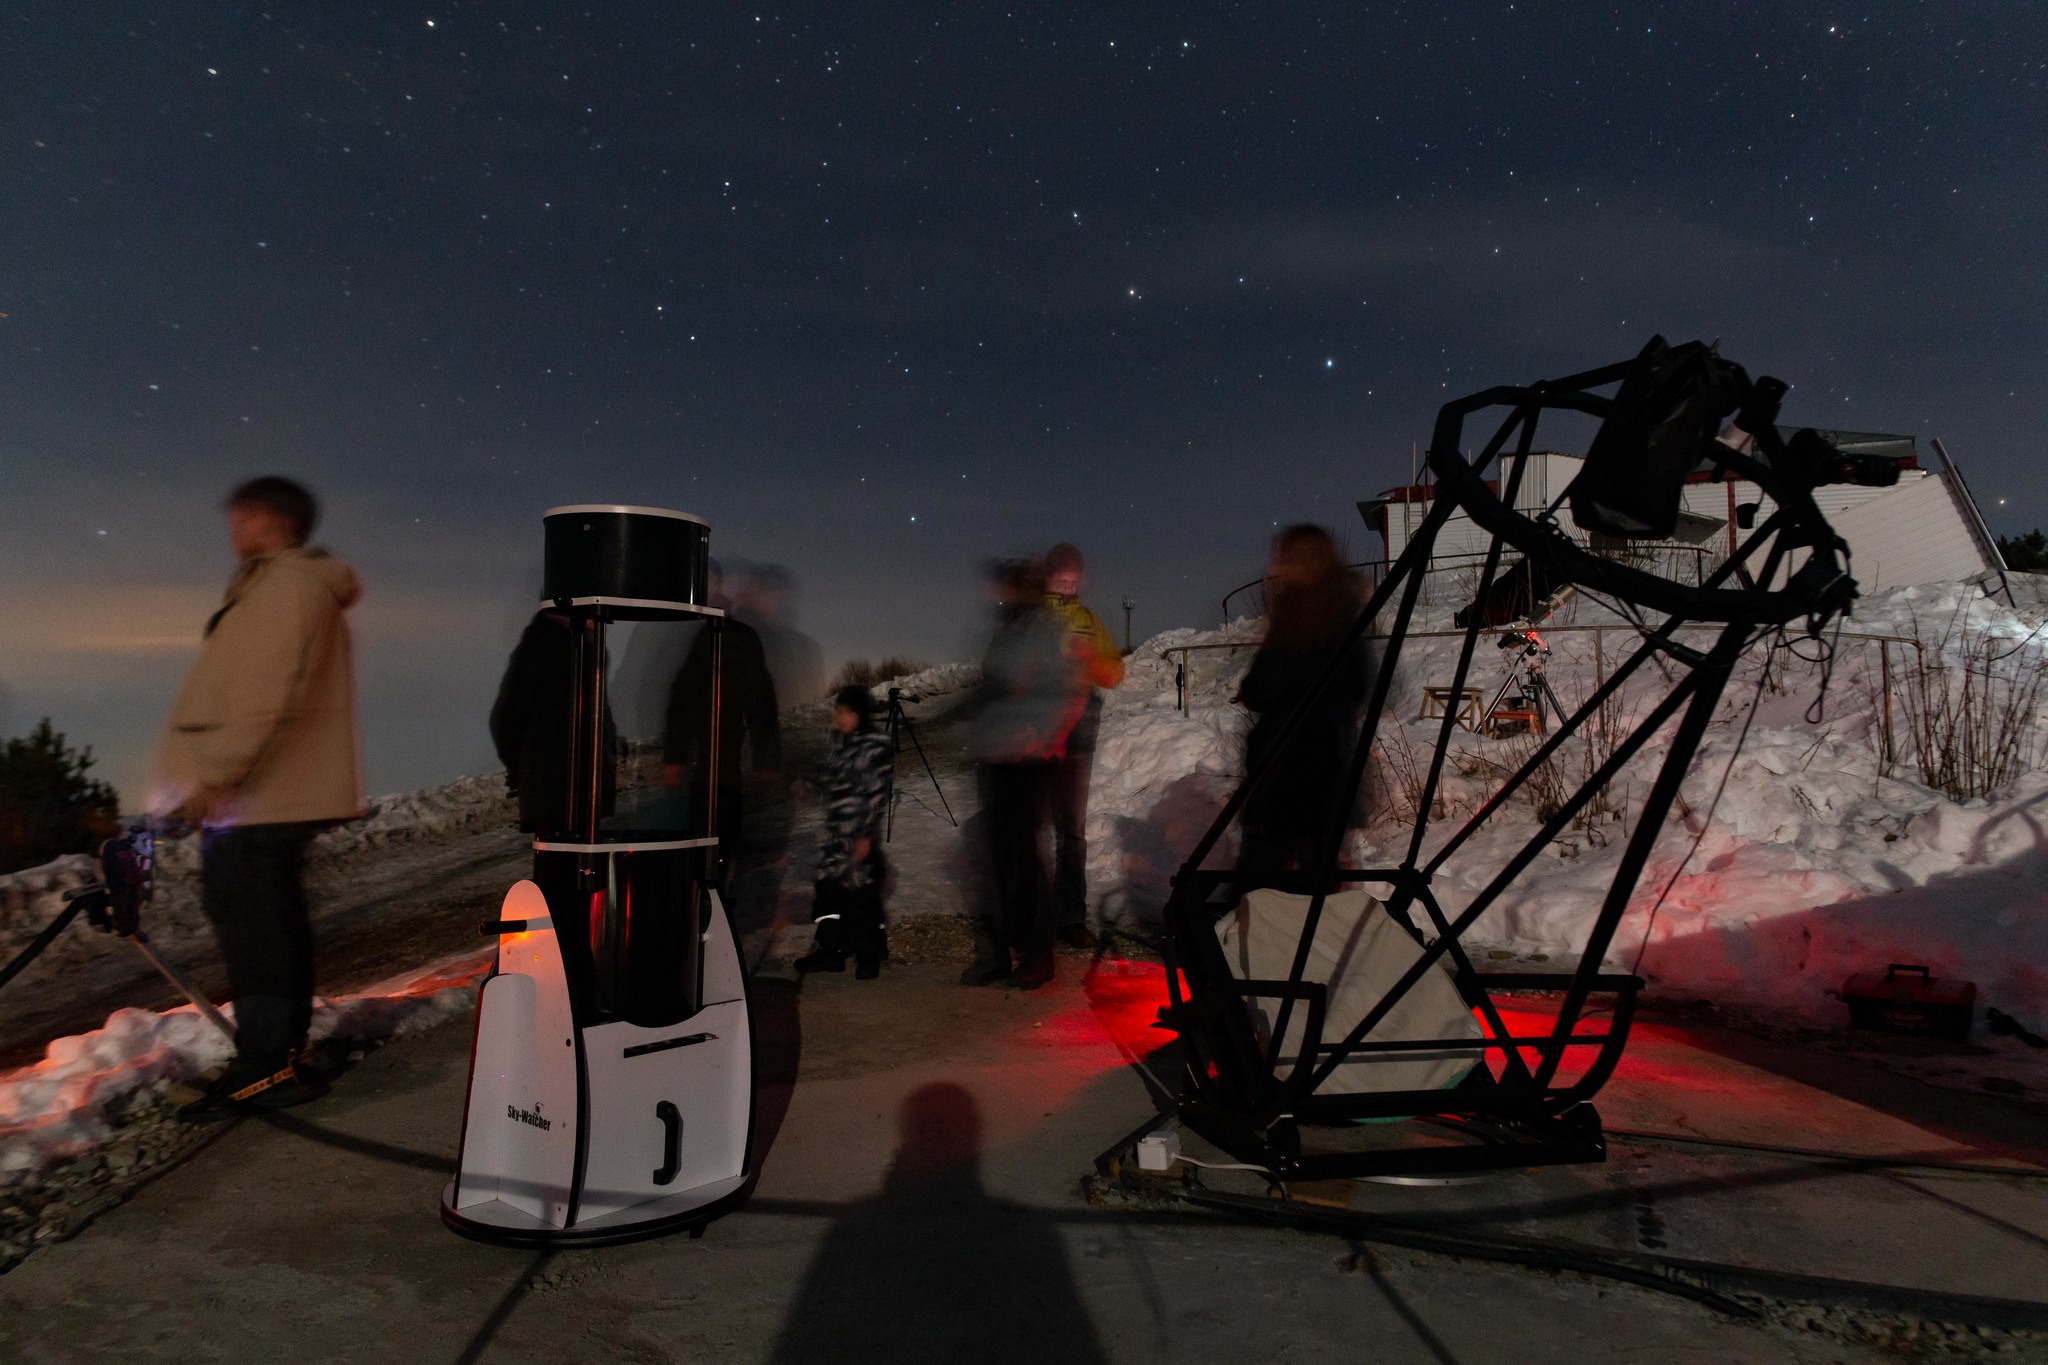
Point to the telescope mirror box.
(1904, 998)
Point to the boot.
(1034, 969)
(869, 950)
(249, 1087)
(828, 951)
(991, 961)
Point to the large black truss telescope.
(1527, 1103)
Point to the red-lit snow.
(67, 1103)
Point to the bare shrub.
(1571, 767)
(1972, 702)
(1878, 685)
(1403, 769)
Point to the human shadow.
(778, 1049)
(937, 1269)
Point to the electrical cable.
(1230, 1166)
(1510, 1250)
(1711, 1284)
(1706, 823)
(1861, 1159)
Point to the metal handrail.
(1373, 569)
(1183, 703)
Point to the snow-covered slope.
(1811, 867)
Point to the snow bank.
(1160, 777)
(68, 1103)
(1812, 867)
(937, 681)
(31, 898)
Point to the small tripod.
(1526, 669)
(897, 723)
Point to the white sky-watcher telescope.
(611, 1088)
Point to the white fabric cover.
(1359, 951)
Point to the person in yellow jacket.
(1090, 642)
(260, 751)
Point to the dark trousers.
(1067, 792)
(1013, 805)
(849, 918)
(252, 885)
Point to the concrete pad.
(919, 1202)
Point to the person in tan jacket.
(260, 750)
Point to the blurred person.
(643, 670)
(1067, 781)
(532, 720)
(859, 768)
(260, 750)
(747, 715)
(1032, 692)
(1312, 599)
(766, 601)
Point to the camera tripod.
(897, 724)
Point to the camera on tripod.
(1518, 707)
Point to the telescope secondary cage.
(1528, 1102)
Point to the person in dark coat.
(859, 771)
(1312, 600)
(1032, 693)
(747, 715)
(531, 723)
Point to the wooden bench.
(1438, 701)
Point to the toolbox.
(1909, 999)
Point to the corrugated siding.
(1547, 476)
(1909, 534)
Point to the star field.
(883, 291)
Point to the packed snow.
(1812, 866)
(71, 1101)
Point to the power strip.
(1158, 1151)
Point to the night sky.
(884, 290)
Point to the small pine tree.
(2025, 554)
(48, 805)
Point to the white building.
(1924, 529)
